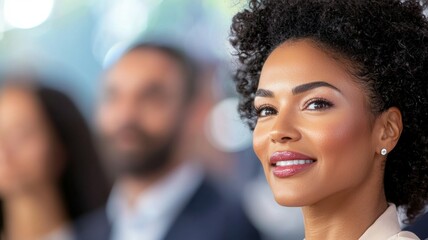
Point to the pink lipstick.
(287, 164)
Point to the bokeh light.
(27, 14)
(224, 128)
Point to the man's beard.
(153, 156)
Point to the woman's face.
(310, 109)
(26, 143)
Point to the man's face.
(141, 112)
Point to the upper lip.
(288, 156)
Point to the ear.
(389, 126)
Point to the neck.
(347, 215)
(34, 215)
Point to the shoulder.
(94, 225)
(404, 235)
(387, 227)
(211, 210)
(217, 200)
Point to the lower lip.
(288, 171)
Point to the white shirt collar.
(385, 226)
(157, 207)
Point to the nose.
(284, 130)
(279, 137)
(125, 112)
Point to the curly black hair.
(386, 42)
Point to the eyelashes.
(265, 110)
(314, 104)
(317, 104)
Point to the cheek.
(343, 136)
(162, 121)
(105, 119)
(7, 173)
(27, 166)
(342, 145)
(34, 162)
(260, 141)
(334, 136)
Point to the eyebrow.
(264, 93)
(309, 86)
(153, 90)
(299, 89)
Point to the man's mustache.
(130, 129)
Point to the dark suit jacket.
(420, 227)
(209, 215)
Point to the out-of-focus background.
(71, 42)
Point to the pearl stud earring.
(383, 151)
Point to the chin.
(291, 197)
(286, 201)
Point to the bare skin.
(309, 103)
(35, 215)
(144, 88)
(30, 164)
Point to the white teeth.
(293, 162)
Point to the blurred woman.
(48, 164)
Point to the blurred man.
(159, 192)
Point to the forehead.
(301, 61)
(143, 67)
(17, 105)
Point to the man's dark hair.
(188, 65)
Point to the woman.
(336, 93)
(48, 165)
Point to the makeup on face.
(313, 130)
(287, 164)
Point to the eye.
(265, 110)
(318, 104)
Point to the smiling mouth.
(289, 168)
(286, 164)
(291, 163)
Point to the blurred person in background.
(49, 173)
(160, 191)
